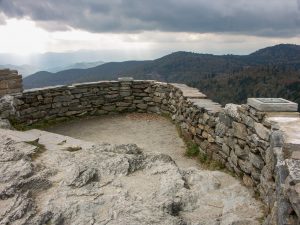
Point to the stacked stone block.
(10, 82)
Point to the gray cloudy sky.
(216, 26)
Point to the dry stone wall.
(238, 136)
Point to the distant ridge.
(281, 50)
(78, 65)
(27, 70)
(103, 72)
(278, 53)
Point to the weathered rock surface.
(7, 106)
(49, 180)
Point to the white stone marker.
(273, 104)
(125, 79)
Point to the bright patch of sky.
(23, 37)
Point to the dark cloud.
(257, 17)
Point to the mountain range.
(269, 72)
(27, 70)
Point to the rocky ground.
(47, 178)
(151, 132)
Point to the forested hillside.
(261, 81)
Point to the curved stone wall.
(245, 140)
